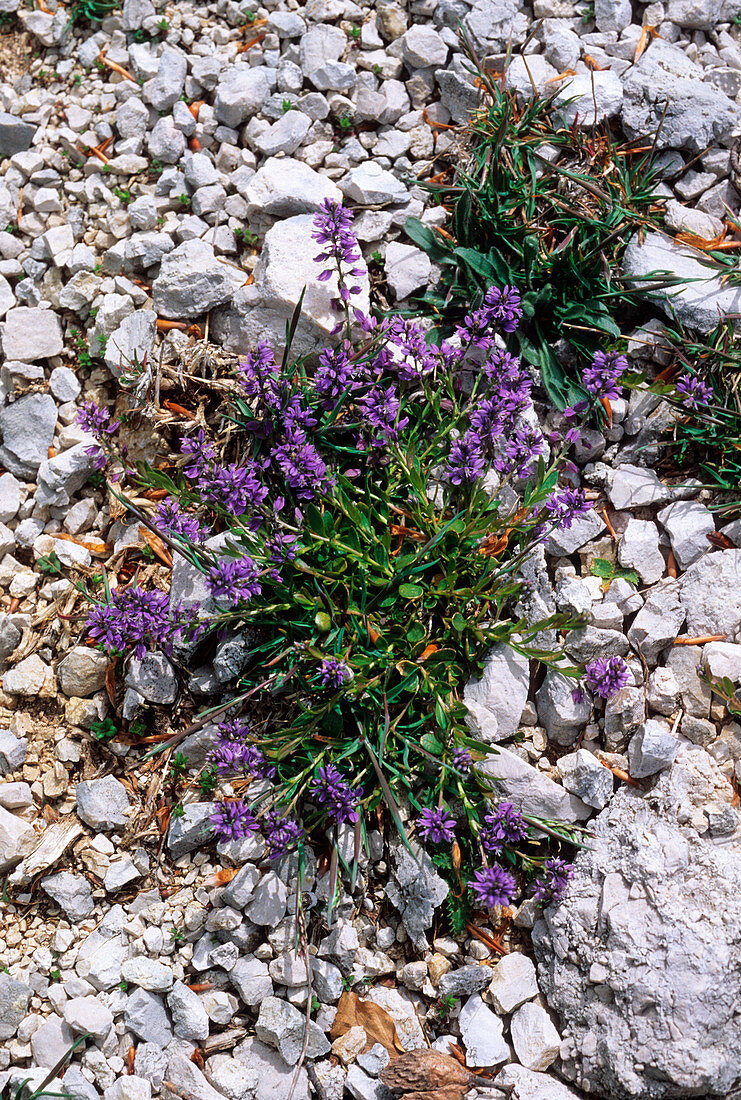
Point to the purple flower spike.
(601, 378)
(606, 676)
(552, 883)
(234, 580)
(436, 826)
(694, 392)
(462, 760)
(466, 461)
(233, 820)
(133, 619)
(503, 826)
(282, 834)
(334, 672)
(492, 886)
(332, 791)
(96, 420)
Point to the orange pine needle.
(671, 565)
(172, 407)
(116, 68)
(494, 944)
(95, 152)
(605, 403)
(621, 775)
(561, 76)
(427, 652)
(167, 326)
(701, 640)
(195, 107)
(609, 526)
(436, 125)
(248, 45)
(647, 33)
(593, 65)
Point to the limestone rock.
(652, 915)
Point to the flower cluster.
(234, 820)
(605, 676)
(281, 834)
(694, 392)
(335, 795)
(97, 421)
(551, 885)
(232, 580)
(332, 225)
(492, 886)
(134, 619)
(436, 826)
(234, 751)
(334, 672)
(601, 377)
(169, 519)
(503, 827)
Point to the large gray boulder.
(495, 701)
(701, 299)
(285, 270)
(640, 959)
(192, 281)
(711, 594)
(666, 87)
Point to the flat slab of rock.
(640, 958)
(29, 334)
(529, 790)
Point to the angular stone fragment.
(529, 790)
(496, 700)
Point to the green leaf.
(603, 568)
(432, 744)
(411, 591)
(429, 241)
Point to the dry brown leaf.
(427, 1071)
(379, 1026)
(95, 546)
(450, 1092)
(156, 545)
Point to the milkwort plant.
(364, 525)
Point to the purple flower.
(600, 379)
(169, 519)
(500, 311)
(407, 351)
(552, 883)
(235, 753)
(281, 834)
(504, 307)
(466, 461)
(233, 820)
(492, 886)
(279, 549)
(503, 827)
(234, 580)
(332, 791)
(462, 759)
(606, 676)
(96, 420)
(577, 695)
(302, 466)
(521, 450)
(378, 411)
(334, 672)
(133, 619)
(332, 224)
(334, 375)
(436, 825)
(237, 489)
(566, 505)
(694, 391)
(263, 385)
(203, 454)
